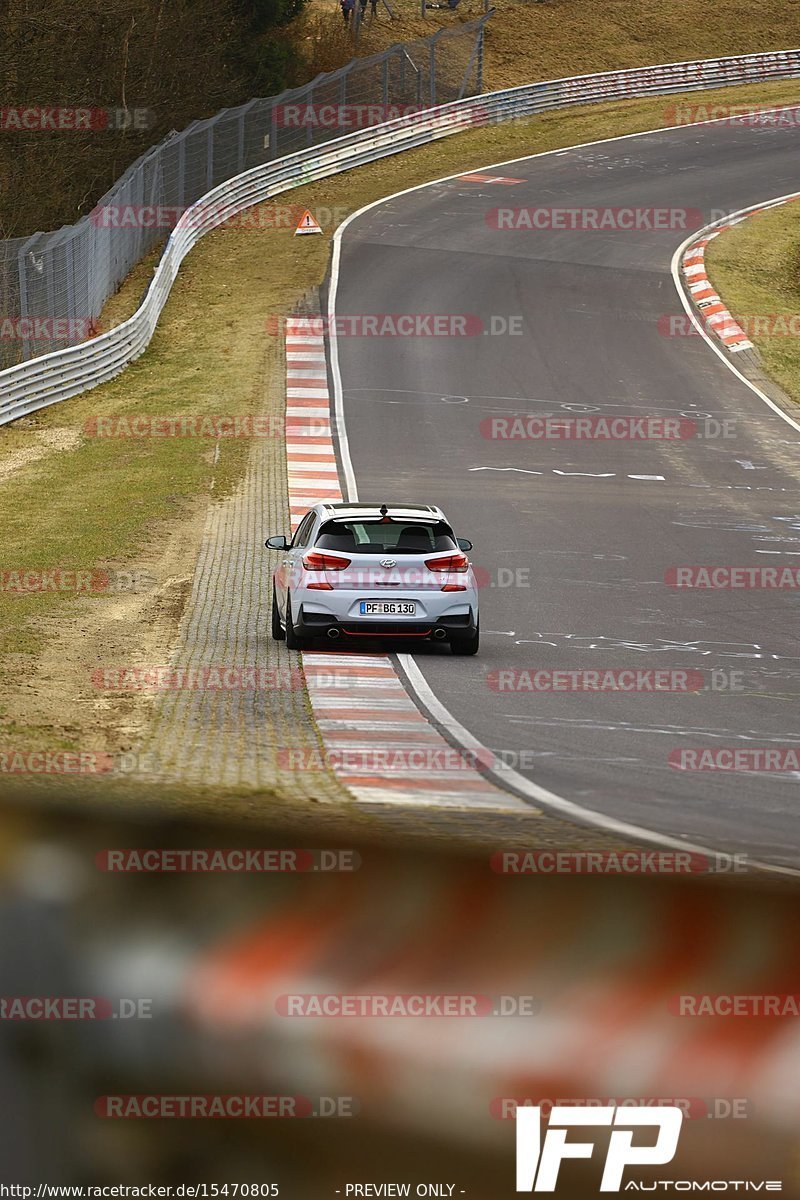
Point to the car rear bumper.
(443, 629)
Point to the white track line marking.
(675, 267)
(363, 693)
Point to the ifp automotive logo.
(538, 1163)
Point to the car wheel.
(277, 628)
(468, 644)
(293, 642)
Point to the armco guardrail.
(64, 373)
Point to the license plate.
(388, 608)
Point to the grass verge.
(755, 267)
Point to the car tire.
(293, 642)
(468, 644)
(277, 628)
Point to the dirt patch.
(44, 442)
(56, 703)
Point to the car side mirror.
(464, 544)
(278, 542)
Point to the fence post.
(475, 57)
(244, 112)
(48, 283)
(69, 261)
(481, 36)
(22, 254)
(181, 169)
(432, 66)
(154, 199)
(240, 142)
(87, 252)
(309, 117)
(273, 129)
(343, 82)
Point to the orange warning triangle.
(307, 224)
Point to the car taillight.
(324, 562)
(453, 562)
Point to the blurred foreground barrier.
(396, 994)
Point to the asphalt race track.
(586, 530)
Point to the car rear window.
(381, 537)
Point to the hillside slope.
(527, 40)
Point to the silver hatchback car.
(375, 571)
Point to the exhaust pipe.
(439, 634)
(333, 632)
